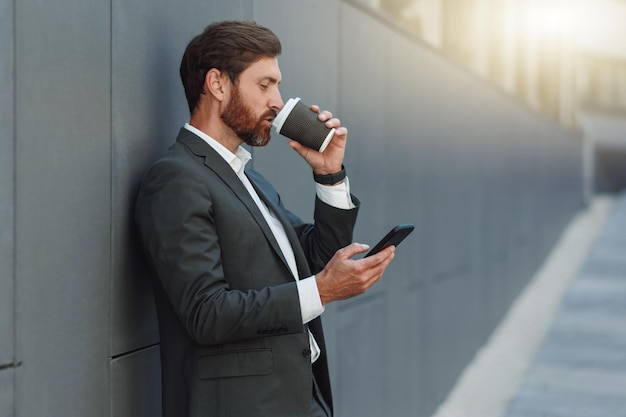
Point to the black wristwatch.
(330, 179)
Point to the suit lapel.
(217, 164)
(301, 262)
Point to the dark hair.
(230, 47)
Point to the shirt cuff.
(310, 303)
(337, 195)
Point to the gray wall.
(7, 239)
(95, 97)
(62, 206)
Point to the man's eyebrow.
(271, 79)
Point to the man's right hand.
(344, 277)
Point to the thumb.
(302, 150)
(354, 248)
(298, 147)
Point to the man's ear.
(215, 83)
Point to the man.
(240, 281)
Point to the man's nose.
(276, 102)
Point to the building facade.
(91, 96)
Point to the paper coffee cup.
(297, 121)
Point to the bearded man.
(240, 282)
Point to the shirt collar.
(237, 160)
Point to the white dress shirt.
(334, 195)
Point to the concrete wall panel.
(63, 207)
(445, 339)
(7, 181)
(451, 181)
(406, 151)
(136, 384)
(7, 406)
(414, 401)
(362, 112)
(361, 386)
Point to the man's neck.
(215, 128)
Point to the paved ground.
(580, 369)
(561, 349)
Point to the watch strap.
(330, 179)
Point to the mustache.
(270, 113)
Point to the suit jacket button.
(307, 353)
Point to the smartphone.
(394, 237)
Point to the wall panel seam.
(111, 167)
(111, 207)
(14, 192)
(135, 351)
(11, 365)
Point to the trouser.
(319, 408)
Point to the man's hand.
(344, 277)
(329, 161)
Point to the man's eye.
(264, 86)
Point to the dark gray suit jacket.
(232, 338)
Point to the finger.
(315, 108)
(334, 122)
(376, 272)
(341, 133)
(372, 276)
(388, 253)
(389, 258)
(325, 115)
(375, 277)
(382, 257)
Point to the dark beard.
(244, 123)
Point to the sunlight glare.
(553, 19)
